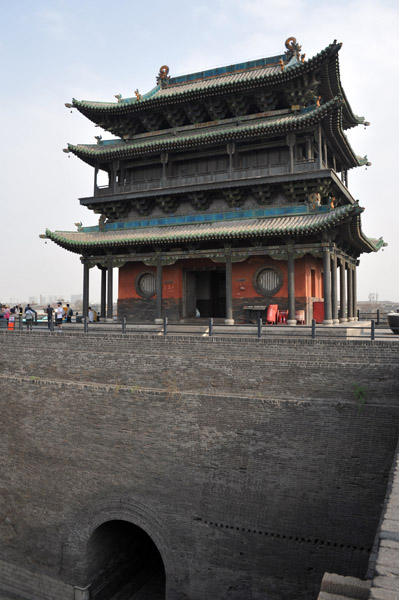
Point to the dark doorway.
(123, 563)
(205, 292)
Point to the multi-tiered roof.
(248, 105)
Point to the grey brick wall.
(254, 465)
(32, 585)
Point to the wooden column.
(291, 139)
(164, 161)
(85, 288)
(327, 286)
(229, 291)
(231, 148)
(110, 292)
(325, 154)
(95, 180)
(342, 293)
(103, 292)
(115, 166)
(319, 149)
(291, 288)
(355, 292)
(334, 302)
(350, 292)
(158, 288)
(309, 149)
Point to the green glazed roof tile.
(77, 241)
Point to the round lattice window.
(268, 281)
(145, 285)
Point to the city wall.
(254, 465)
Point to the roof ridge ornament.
(293, 49)
(163, 75)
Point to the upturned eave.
(94, 154)
(273, 228)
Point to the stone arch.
(142, 516)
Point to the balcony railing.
(206, 178)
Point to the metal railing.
(211, 329)
(258, 329)
(379, 316)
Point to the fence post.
(165, 325)
(210, 327)
(372, 329)
(124, 325)
(378, 316)
(85, 324)
(313, 329)
(259, 327)
(358, 314)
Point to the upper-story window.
(144, 173)
(200, 166)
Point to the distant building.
(76, 298)
(227, 190)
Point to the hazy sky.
(53, 50)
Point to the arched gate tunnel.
(123, 563)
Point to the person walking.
(69, 313)
(27, 308)
(59, 313)
(29, 318)
(49, 310)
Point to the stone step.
(339, 586)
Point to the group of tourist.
(60, 313)
(30, 315)
(8, 312)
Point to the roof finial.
(293, 48)
(118, 97)
(162, 76)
